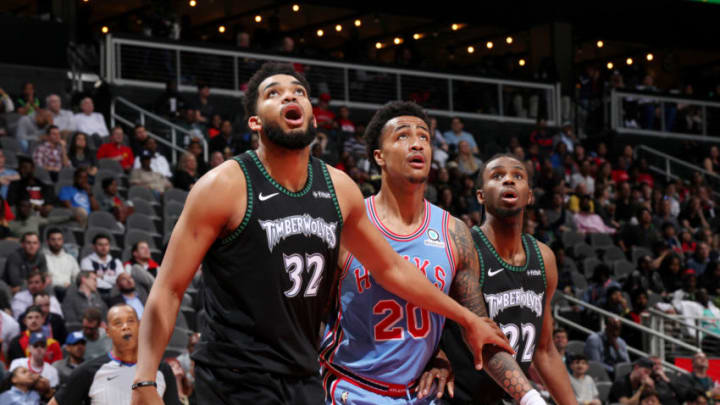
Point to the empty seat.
(8, 246)
(10, 144)
(104, 219)
(579, 281)
(175, 194)
(589, 266)
(172, 209)
(62, 183)
(600, 240)
(622, 369)
(43, 175)
(569, 265)
(67, 174)
(613, 254)
(575, 347)
(143, 222)
(571, 238)
(597, 371)
(143, 193)
(144, 207)
(603, 388)
(623, 268)
(90, 234)
(111, 165)
(582, 250)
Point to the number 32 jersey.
(376, 335)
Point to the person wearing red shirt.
(116, 150)
(20, 345)
(324, 117)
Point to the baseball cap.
(146, 154)
(75, 337)
(37, 337)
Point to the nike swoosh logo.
(492, 273)
(262, 197)
(112, 378)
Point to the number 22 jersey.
(376, 336)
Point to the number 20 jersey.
(377, 335)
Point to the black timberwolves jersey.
(515, 300)
(268, 283)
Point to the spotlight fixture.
(649, 57)
(509, 40)
(258, 18)
(489, 45)
(105, 29)
(193, 3)
(417, 36)
(471, 49)
(320, 33)
(521, 62)
(296, 7)
(600, 44)
(338, 28)
(221, 29)
(397, 41)
(379, 45)
(358, 23)
(455, 27)
(629, 61)
(610, 65)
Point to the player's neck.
(125, 355)
(285, 166)
(401, 206)
(505, 235)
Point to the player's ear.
(378, 156)
(480, 196)
(313, 122)
(255, 123)
(531, 198)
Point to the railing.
(635, 113)
(656, 338)
(674, 168)
(692, 330)
(154, 123)
(151, 64)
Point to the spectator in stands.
(628, 389)
(666, 390)
(698, 380)
(41, 195)
(75, 348)
(20, 346)
(146, 177)
(23, 261)
(214, 127)
(184, 359)
(24, 298)
(584, 177)
(137, 140)
(670, 272)
(170, 103)
(615, 302)
(190, 123)
(97, 343)
(468, 164)
(6, 102)
(36, 359)
(103, 264)
(20, 387)
(158, 162)
(186, 175)
(27, 221)
(216, 159)
(109, 200)
(78, 300)
(323, 115)
(79, 197)
(203, 109)
(141, 257)
(226, 139)
(440, 146)
(584, 386)
(53, 323)
(9, 329)
(712, 162)
(711, 278)
(62, 267)
(560, 340)
(456, 134)
(541, 137)
(566, 136)
(356, 146)
(90, 122)
(80, 154)
(607, 347)
(127, 294)
(343, 120)
(693, 217)
(588, 222)
(32, 128)
(7, 176)
(28, 102)
(700, 260)
(63, 119)
(644, 234)
(599, 283)
(182, 379)
(196, 149)
(51, 155)
(116, 150)
(697, 398)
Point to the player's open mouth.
(509, 196)
(127, 336)
(293, 115)
(417, 161)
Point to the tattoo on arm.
(465, 288)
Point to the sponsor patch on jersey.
(433, 239)
(534, 273)
(279, 229)
(321, 194)
(515, 298)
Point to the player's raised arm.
(547, 360)
(466, 290)
(400, 277)
(205, 216)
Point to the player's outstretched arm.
(547, 360)
(465, 288)
(207, 211)
(400, 277)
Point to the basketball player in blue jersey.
(377, 345)
(518, 276)
(267, 227)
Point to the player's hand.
(482, 331)
(440, 371)
(146, 396)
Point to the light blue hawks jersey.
(376, 336)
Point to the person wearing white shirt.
(24, 299)
(9, 329)
(36, 363)
(90, 122)
(102, 264)
(63, 119)
(62, 267)
(158, 162)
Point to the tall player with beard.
(377, 345)
(518, 277)
(267, 227)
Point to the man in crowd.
(627, 390)
(53, 323)
(51, 155)
(32, 127)
(63, 119)
(97, 343)
(146, 177)
(78, 300)
(88, 121)
(323, 115)
(115, 149)
(23, 261)
(103, 264)
(607, 346)
(138, 138)
(75, 348)
(62, 267)
(203, 109)
(456, 134)
(667, 391)
(41, 195)
(79, 197)
(128, 295)
(560, 340)
(28, 221)
(19, 347)
(698, 380)
(7, 175)
(158, 162)
(36, 361)
(107, 379)
(226, 139)
(142, 267)
(23, 299)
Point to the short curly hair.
(393, 109)
(266, 70)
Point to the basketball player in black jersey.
(266, 226)
(518, 277)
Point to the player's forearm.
(554, 374)
(501, 366)
(155, 330)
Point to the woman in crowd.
(80, 154)
(186, 175)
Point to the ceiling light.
(471, 49)
(296, 7)
(193, 3)
(320, 33)
(358, 23)
(489, 45)
(649, 57)
(455, 27)
(338, 28)
(221, 29)
(629, 61)
(397, 41)
(417, 36)
(600, 44)
(105, 29)
(521, 62)
(378, 45)
(610, 65)
(509, 40)
(258, 18)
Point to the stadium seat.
(653, 298)
(172, 209)
(571, 238)
(111, 165)
(43, 175)
(622, 269)
(91, 232)
(603, 388)
(136, 235)
(62, 183)
(579, 281)
(175, 194)
(597, 371)
(7, 247)
(67, 174)
(622, 369)
(143, 193)
(11, 159)
(589, 265)
(143, 222)
(582, 250)
(600, 240)
(104, 219)
(144, 207)
(575, 347)
(638, 252)
(613, 254)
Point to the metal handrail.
(678, 161)
(174, 128)
(680, 318)
(111, 70)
